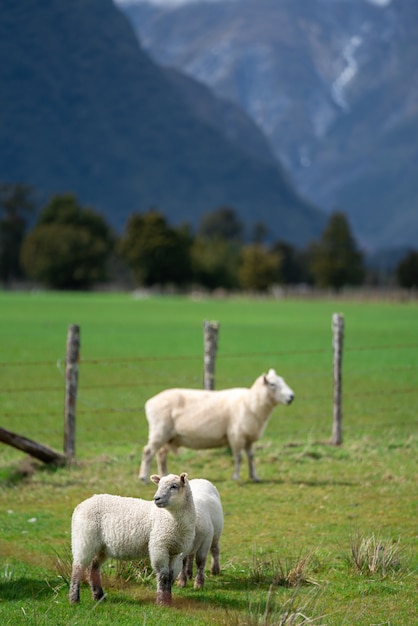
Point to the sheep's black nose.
(291, 398)
(160, 502)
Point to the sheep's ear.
(183, 477)
(268, 377)
(155, 479)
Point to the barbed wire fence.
(68, 369)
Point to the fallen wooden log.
(35, 449)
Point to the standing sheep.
(201, 419)
(106, 526)
(209, 526)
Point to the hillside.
(85, 110)
(332, 83)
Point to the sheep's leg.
(76, 578)
(182, 578)
(251, 468)
(147, 456)
(237, 465)
(165, 580)
(189, 566)
(186, 571)
(95, 579)
(215, 551)
(162, 461)
(199, 581)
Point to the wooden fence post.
(71, 382)
(211, 344)
(338, 341)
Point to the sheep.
(210, 419)
(209, 526)
(107, 526)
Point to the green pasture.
(343, 518)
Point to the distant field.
(314, 498)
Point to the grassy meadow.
(330, 534)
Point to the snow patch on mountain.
(177, 3)
(213, 62)
(164, 3)
(348, 72)
(380, 3)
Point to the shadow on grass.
(325, 483)
(238, 602)
(227, 598)
(23, 471)
(308, 483)
(227, 592)
(24, 588)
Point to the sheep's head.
(171, 489)
(278, 389)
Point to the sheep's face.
(170, 492)
(279, 390)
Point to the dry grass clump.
(133, 571)
(63, 563)
(373, 555)
(288, 572)
(297, 610)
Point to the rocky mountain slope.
(85, 110)
(332, 83)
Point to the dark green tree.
(259, 268)
(215, 263)
(216, 249)
(156, 253)
(222, 223)
(335, 259)
(16, 200)
(407, 270)
(259, 232)
(293, 266)
(69, 247)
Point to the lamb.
(201, 419)
(106, 526)
(209, 526)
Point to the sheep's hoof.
(99, 598)
(164, 598)
(74, 596)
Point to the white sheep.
(201, 419)
(107, 526)
(209, 526)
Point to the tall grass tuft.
(63, 563)
(289, 572)
(373, 555)
(297, 610)
(132, 571)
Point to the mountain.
(332, 83)
(85, 110)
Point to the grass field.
(340, 521)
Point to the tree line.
(72, 247)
